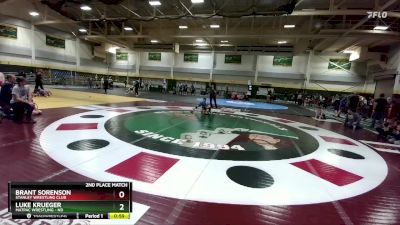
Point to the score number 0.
(121, 194)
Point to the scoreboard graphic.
(90, 200)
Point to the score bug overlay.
(90, 200)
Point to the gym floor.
(234, 166)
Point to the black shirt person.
(378, 112)
(105, 85)
(39, 80)
(213, 97)
(353, 102)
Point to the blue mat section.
(246, 104)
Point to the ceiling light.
(199, 40)
(197, 1)
(34, 13)
(214, 26)
(200, 44)
(289, 26)
(282, 42)
(86, 8)
(381, 28)
(183, 27)
(128, 28)
(224, 41)
(82, 30)
(154, 41)
(154, 3)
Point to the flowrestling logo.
(377, 14)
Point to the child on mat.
(352, 120)
(205, 109)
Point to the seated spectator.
(234, 96)
(395, 136)
(6, 95)
(21, 102)
(386, 129)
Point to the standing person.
(300, 99)
(353, 103)
(39, 80)
(2, 79)
(269, 94)
(336, 104)
(90, 82)
(125, 83)
(213, 96)
(6, 94)
(21, 101)
(192, 90)
(105, 85)
(165, 87)
(352, 116)
(110, 83)
(137, 84)
(378, 111)
(342, 106)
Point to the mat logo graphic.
(377, 14)
(192, 140)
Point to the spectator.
(394, 110)
(336, 104)
(386, 129)
(105, 84)
(192, 90)
(394, 137)
(21, 101)
(90, 83)
(110, 83)
(165, 87)
(6, 95)
(300, 99)
(2, 79)
(378, 112)
(136, 85)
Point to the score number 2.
(121, 194)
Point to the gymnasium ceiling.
(246, 25)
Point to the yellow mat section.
(67, 98)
